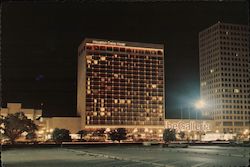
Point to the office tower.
(224, 75)
(120, 84)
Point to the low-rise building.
(205, 130)
(50, 123)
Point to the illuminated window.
(122, 101)
(89, 61)
(116, 75)
(95, 62)
(102, 113)
(116, 101)
(95, 100)
(153, 86)
(129, 101)
(88, 57)
(236, 91)
(95, 113)
(103, 58)
(160, 98)
(203, 83)
(88, 91)
(102, 109)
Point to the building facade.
(224, 75)
(120, 84)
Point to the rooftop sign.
(108, 43)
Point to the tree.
(169, 135)
(118, 134)
(31, 136)
(14, 125)
(61, 135)
(99, 132)
(182, 135)
(82, 133)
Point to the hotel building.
(224, 76)
(121, 85)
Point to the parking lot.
(129, 156)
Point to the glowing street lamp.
(200, 104)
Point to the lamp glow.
(200, 104)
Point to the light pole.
(181, 112)
(188, 112)
(200, 104)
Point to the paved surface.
(128, 156)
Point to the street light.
(200, 104)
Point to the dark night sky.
(40, 42)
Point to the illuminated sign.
(188, 125)
(108, 43)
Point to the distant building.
(12, 108)
(46, 125)
(224, 76)
(34, 114)
(121, 84)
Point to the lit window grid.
(142, 110)
(212, 50)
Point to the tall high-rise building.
(224, 75)
(121, 84)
